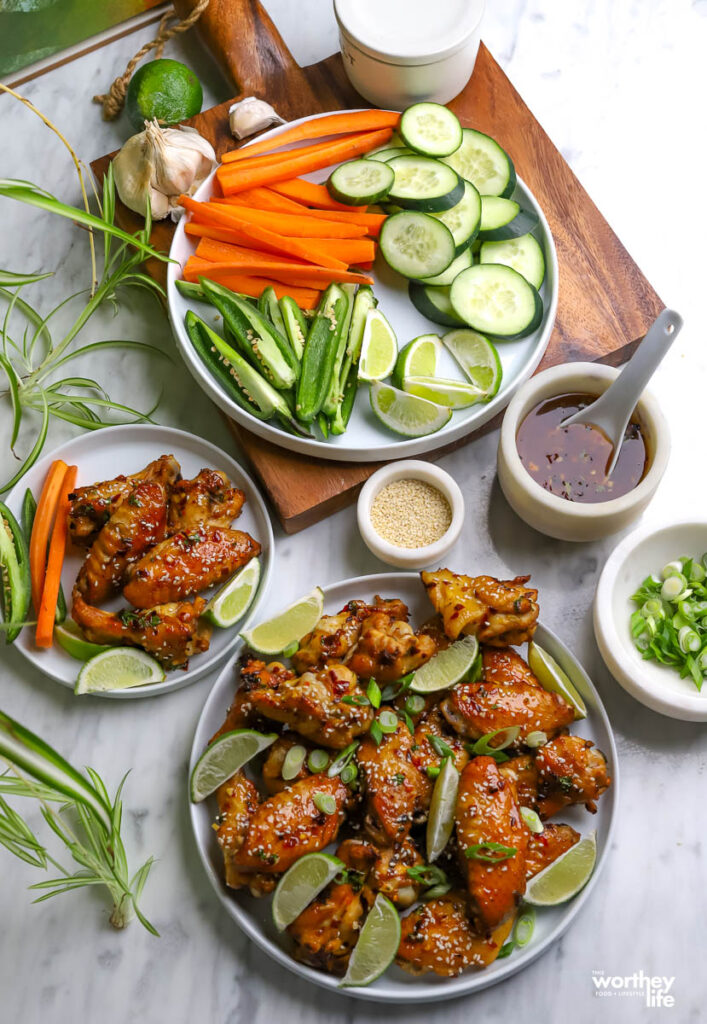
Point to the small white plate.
(643, 552)
(396, 986)
(366, 439)
(126, 449)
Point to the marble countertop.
(616, 85)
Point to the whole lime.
(165, 89)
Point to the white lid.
(409, 31)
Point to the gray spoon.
(612, 410)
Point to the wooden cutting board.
(605, 302)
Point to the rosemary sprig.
(86, 821)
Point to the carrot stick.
(373, 222)
(307, 192)
(351, 250)
(345, 250)
(286, 154)
(266, 199)
(234, 178)
(246, 284)
(303, 275)
(55, 561)
(220, 250)
(317, 128)
(43, 521)
(259, 237)
(295, 226)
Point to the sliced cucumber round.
(416, 245)
(360, 182)
(433, 302)
(484, 163)
(496, 300)
(464, 219)
(384, 155)
(523, 254)
(424, 184)
(459, 263)
(430, 129)
(503, 218)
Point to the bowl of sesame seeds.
(410, 514)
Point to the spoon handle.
(631, 382)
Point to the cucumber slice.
(433, 302)
(416, 245)
(464, 219)
(430, 129)
(384, 155)
(461, 262)
(484, 163)
(360, 182)
(496, 300)
(424, 184)
(503, 218)
(523, 254)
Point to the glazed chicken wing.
(171, 632)
(274, 761)
(570, 771)
(423, 754)
(237, 803)
(395, 790)
(389, 648)
(255, 675)
(384, 869)
(187, 563)
(335, 636)
(326, 931)
(544, 848)
(438, 937)
(208, 499)
(503, 665)
(498, 612)
(522, 771)
(487, 812)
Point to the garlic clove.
(251, 115)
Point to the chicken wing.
(384, 869)
(171, 632)
(91, 507)
(544, 848)
(498, 612)
(335, 636)
(423, 754)
(187, 563)
(475, 709)
(395, 791)
(136, 524)
(438, 936)
(312, 704)
(241, 714)
(570, 771)
(326, 931)
(237, 802)
(522, 771)
(208, 499)
(487, 813)
(389, 648)
(504, 665)
(274, 761)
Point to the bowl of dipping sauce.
(410, 514)
(554, 477)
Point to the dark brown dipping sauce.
(571, 462)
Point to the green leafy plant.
(78, 809)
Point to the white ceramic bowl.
(410, 558)
(557, 517)
(643, 552)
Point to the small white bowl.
(642, 553)
(555, 516)
(410, 558)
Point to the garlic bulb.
(159, 165)
(251, 115)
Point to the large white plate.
(126, 449)
(396, 986)
(366, 439)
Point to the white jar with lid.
(398, 52)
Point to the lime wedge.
(452, 393)
(477, 357)
(417, 359)
(118, 668)
(379, 348)
(565, 876)
(407, 414)
(377, 945)
(235, 597)
(69, 636)
(301, 884)
(552, 677)
(285, 629)
(224, 757)
(446, 667)
(442, 806)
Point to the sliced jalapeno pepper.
(295, 324)
(14, 566)
(270, 308)
(320, 353)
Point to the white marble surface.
(619, 85)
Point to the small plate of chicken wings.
(158, 520)
(455, 920)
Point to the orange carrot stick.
(267, 159)
(246, 284)
(266, 199)
(55, 561)
(43, 522)
(235, 178)
(303, 191)
(351, 250)
(373, 222)
(318, 128)
(221, 250)
(304, 275)
(346, 250)
(295, 226)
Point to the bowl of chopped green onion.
(650, 618)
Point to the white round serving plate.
(104, 454)
(643, 552)
(396, 986)
(366, 439)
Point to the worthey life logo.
(654, 989)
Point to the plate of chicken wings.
(158, 520)
(258, 824)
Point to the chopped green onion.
(672, 569)
(427, 874)
(292, 765)
(317, 761)
(325, 802)
(673, 587)
(344, 758)
(349, 774)
(485, 746)
(440, 748)
(432, 771)
(436, 891)
(653, 607)
(689, 640)
(536, 739)
(525, 925)
(532, 820)
(493, 853)
(697, 573)
(414, 704)
(359, 699)
(506, 950)
(702, 661)
(373, 693)
(375, 732)
(388, 721)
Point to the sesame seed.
(410, 513)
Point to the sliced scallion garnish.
(325, 802)
(317, 761)
(292, 764)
